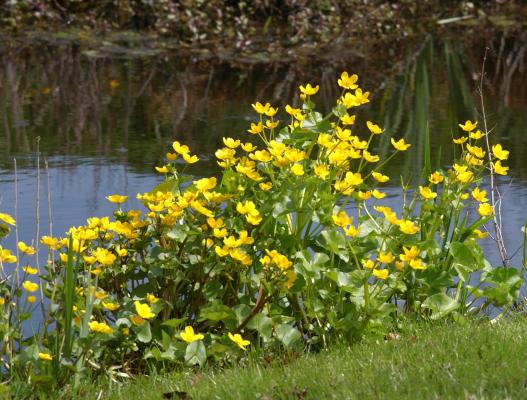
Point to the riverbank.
(256, 32)
(474, 360)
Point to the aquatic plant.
(291, 246)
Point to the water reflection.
(104, 123)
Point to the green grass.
(428, 361)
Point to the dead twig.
(495, 196)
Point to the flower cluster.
(291, 243)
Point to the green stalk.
(69, 297)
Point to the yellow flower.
(351, 231)
(110, 306)
(136, 320)
(368, 157)
(171, 156)
(465, 177)
(271, 112)
(261, 108)
(479, 195)
(408, 227)
(485, 209)
(189, 336)
(309, 90)
(2, 301)
(460, 140)
(45, 356)
(143, 310)
(30, 286)
(499, 152)
(374, 128)
(151, 298)
(265, 186)
(472, 160)
(115, 198)
(8, 219)
(426, 193)
(190, 159)
(231, 143)
(436, 178)
(364, 195)
(479, 234)
(180, 148)
(256, 128)
(24, 248)
(347, 119)
(205, 184)
(476, 135)
(380, 177)
(409, 253)
(50, 241)
(271, 124)
(237, 338)
(400, 144)
(500, 169)
(291, 111)
(104, 256)
(101, 295)
(248, 147)
(468, 126)
(348, 81)
(378, 194)
(476, 151)
(100, 327)
(341, 219)
(121, 252)
(31, 299)
(369, 264)
(381, 273)
(385, 258)
(162, 170)
(297, 169)
(417, 264)
(353, 179)
(30, 271)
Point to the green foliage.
(290, 248)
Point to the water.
(104, 122)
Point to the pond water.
(101, 122)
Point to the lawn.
(474, 360)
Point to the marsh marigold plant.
(292, 244)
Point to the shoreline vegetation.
(253, 32)
(287, 256)
(291, 248)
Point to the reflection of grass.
(475, 360)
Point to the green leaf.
(339, 277)
(178, 233)
(288, 335)
(335, 241)
(241, 311)
(144, 334)
(440, 304)
(173, 323)
(196, 353)
(217, 312)
(263, 324)
(463, 255)
(503, 285)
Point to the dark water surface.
(104, 122)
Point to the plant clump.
(291, 246)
